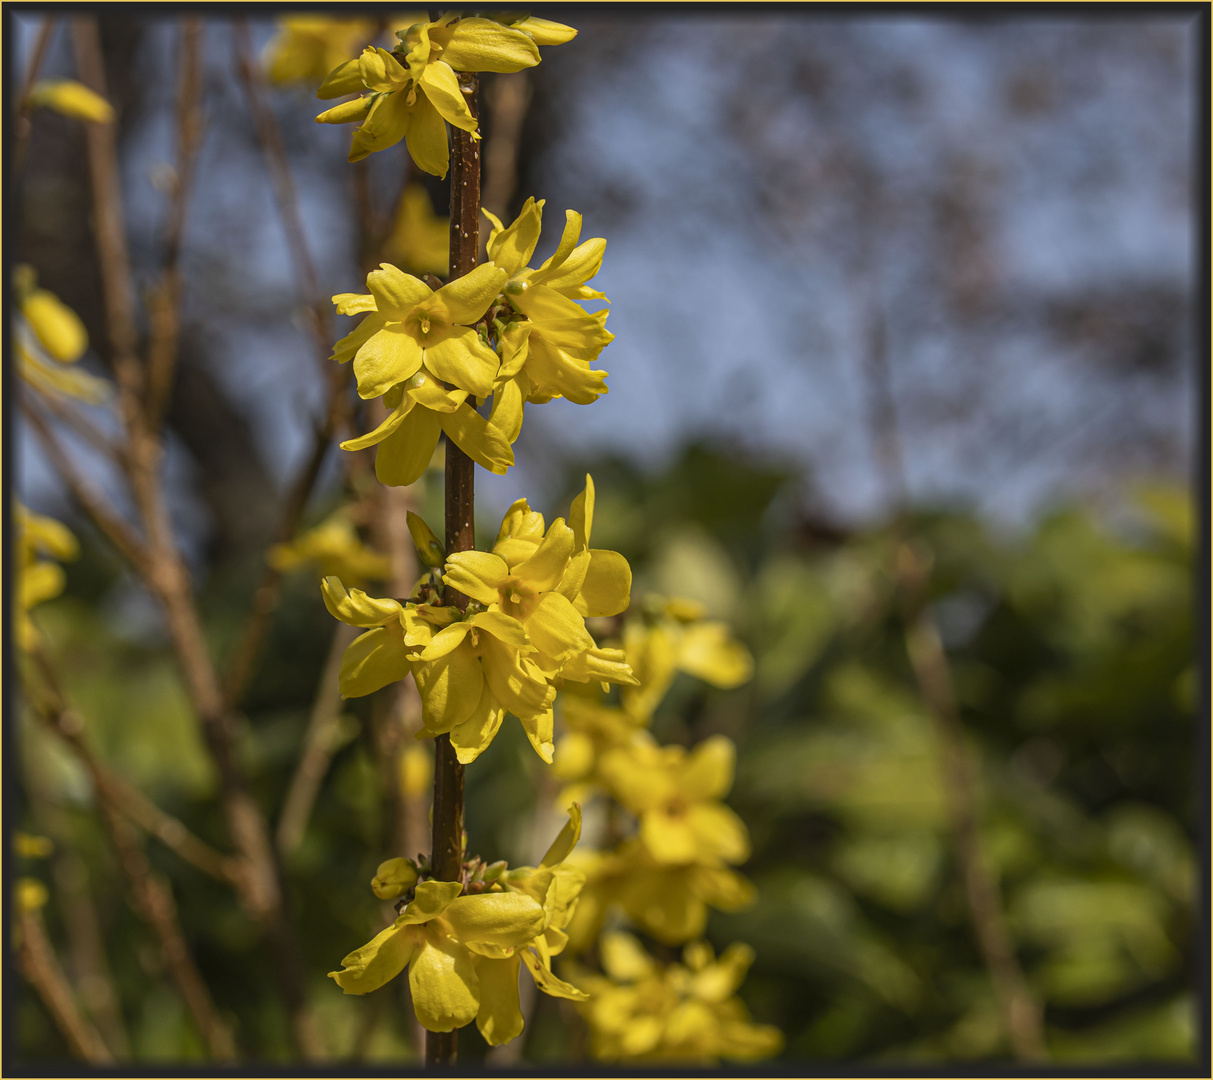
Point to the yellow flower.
(418, 350)
(668, 901)
(673, 636)
(642, 1011)
(465, 952)
(38, 579)
(334, 546)
(433, 937)
(420, 240)
(676, 796)
(307, 47)
(547, 341)
(414, 88)
(49, 336)
(558, 888)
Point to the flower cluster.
(412, 92)
(465, 942)
(521, 637)
(504, 331)
(336, 548)
(644, 1011)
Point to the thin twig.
(319, 743)
(165, 307)
(40, 967)
(114, 528)
(152, 897)
(24, 125)
(1019, 1011)
(71, 416)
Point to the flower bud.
(428, 546)
(394, 878)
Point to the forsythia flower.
(548, 342)
(522, 633)
(683, 1012)
(50, 337)
(335, 546)
(71, 98)
(673, 636)
(676, 796)
(465, 952)
(418, 350)
(414, 88)
(38, 579)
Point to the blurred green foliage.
(1071, 647)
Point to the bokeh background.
(867, 274)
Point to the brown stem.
(40, 967)
(1019, 1011)
(165, 307)
(71, 416)
(446, 853)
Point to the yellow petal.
(520, 687)
(344, 79)
(544, 569)
(430, 392)
(507, 919)
(722, 888)
(709, 769)
(445, 641)
(464, 361)
(573, 578)
(440, 85)
(382, 958)
(476, 574)
(394, 291)
(500, 1017)
(484, 45)
(710, 652)
(581, 514)
(430, 899)
(393, 878)
(71, 98)
(599, 665)
(559, 374)
(624, 958)
(506, 414)
(565, 842)
(467, 298)
(477, 438)
(426, 138)
(556, 629)
(355, 607)
(582, 264)
(512, 248)
(41, 582)
(54, 379)
(385, 125)
(668, 839)
(347, 112)
(505, 629)
(351, 303)
(549, 983)
(471, 738)
(607, 588)
(538, 730)
(388, 357)
(381, 71)
(394, 419)
(444, 984)
(544, 31)
(403, 456)
(348, 346)
(372, 661)
(450, 689)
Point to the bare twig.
(87, 962)
(152, 897)
(165, 307)
(1019, 1011)
(72, 417)
(23, 124)
(319, 744)
(114, 528)
(41, 969)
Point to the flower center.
(517, 598)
